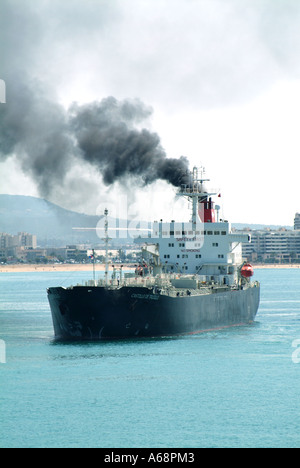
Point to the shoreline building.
(297, 222)
(272, 246)
(16, 245)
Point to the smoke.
(34, 128)
(106, 137)
(50, 143)
(48, 140)
(59, 148)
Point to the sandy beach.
(26, 268)
(275, 267)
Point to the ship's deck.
(164, 285)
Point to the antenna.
(94, 272)
(106, 240)
(196, 191)
(217, 208)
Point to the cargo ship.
(192, 279)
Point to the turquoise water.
(232, 388)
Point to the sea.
(232, 388)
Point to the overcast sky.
(218, 81)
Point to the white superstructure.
(203, 246)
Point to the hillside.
(51, 223)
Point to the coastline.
(26, 268)
(281, 266)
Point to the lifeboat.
(247, 270)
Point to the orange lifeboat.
(247, 270)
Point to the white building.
(22, 239)
(282, 245)
(297, 222)
(16, 245)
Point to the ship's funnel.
(207, 211)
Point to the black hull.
(96, 313)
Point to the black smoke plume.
(35, 129)
(47, 140)
(107, 137)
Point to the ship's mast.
(106, 240)
(196, 192)
(94, 270)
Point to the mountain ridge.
(20, 213)
(52, 223)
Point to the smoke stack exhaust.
(48, 140)
(107, 138)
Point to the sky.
(216, 81)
